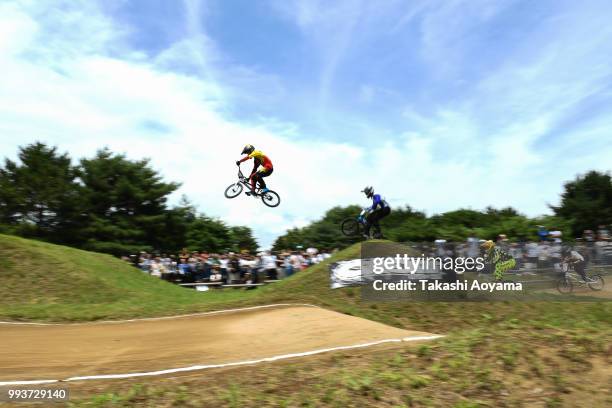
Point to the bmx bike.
(572, 280)
(354, 226)
(269, 198)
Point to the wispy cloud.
(436, 105)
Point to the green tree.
(242, 239)
(323, 233)
(208, 234)
(406, 224)
(40, 195)
(586, 201)
(176, 225)
(188, 229)
(126, 203)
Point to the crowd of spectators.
(232, 268)
(227, 268)
(545, 254)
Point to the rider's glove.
(237, 162)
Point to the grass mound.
(43, 281)
(494, 353)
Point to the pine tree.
(40, 195)
(126, 202)
(587, 201)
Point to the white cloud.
(85, 89)
(98, 100)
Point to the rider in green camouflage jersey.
(500, 260)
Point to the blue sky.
(438, 104)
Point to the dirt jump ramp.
(47, 353)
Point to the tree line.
(111, 204)
(106, 203)
(586, 203)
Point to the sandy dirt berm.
(41, 352)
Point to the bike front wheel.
(233, 190)
(350, 227)
(596, 282)
(565, 286)
(270, 198)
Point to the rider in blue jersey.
(379, 209)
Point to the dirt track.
(29, 352)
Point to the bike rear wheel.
(596, 282)
(233, 190)
(270, 198)
(350, 227)
(564, 285)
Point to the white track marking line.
(209, 366)
(144, 319)
(2, 384)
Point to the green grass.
(482, 363)
(41, 281)
(501, 354)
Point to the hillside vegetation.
(494, 354)
(42, 281)
(51, 282)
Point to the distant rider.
(379, 210)
(257, 174)
(575, 258)
(499, 259)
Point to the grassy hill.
(494, 354)
(43, 281)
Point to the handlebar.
(240, 174)
(362, 215)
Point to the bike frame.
(246, 181)
(362, 217)
(572, 275)
(577, 279)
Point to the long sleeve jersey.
(378, 201)
(260, 160)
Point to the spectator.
(440, 250)
(473, 250)
(233, 268)
(599, 249)
(296, 261)
(269, 265)
(516, 252)
(503, 243)
(607, 252)
(556, 236)
(555, 255)
(145, 262)
(223, 267)
(542, 233)
(602, 233)
(287, 265)
(216, 275)
(531, 255)
(184, 268)
(157, 269)
(234, 274)
(543, 252)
